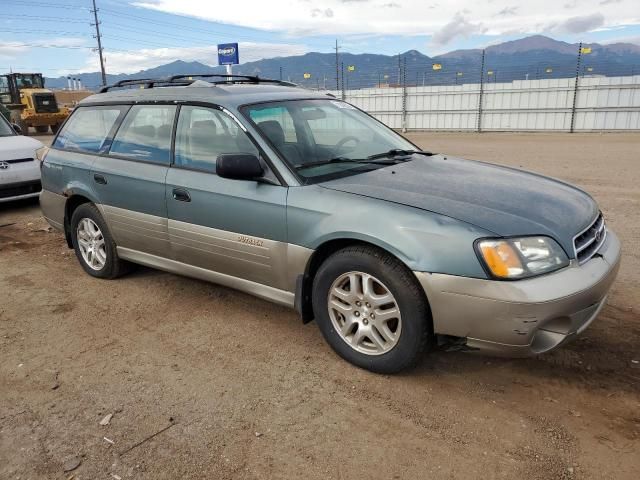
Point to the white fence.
(601, 104)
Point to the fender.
(424, 241)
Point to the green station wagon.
(302, 199)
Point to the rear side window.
(90, 128)
(145, 134)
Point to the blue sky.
(55, 36)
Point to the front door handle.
(181, 195)
(100, 179)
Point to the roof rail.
(145, 82)
(185, 80)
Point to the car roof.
(227, 95)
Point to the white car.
(19, 168)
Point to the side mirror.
(16, 128)
(239, 166)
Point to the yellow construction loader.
(30, 104)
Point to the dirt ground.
(207, 383)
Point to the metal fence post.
(404, 94)
(575, 90)
(479, 124)
(342, 82)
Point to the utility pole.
(280, 73)
(97, 36)
(337, 65)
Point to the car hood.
(503, 200)
(18, 146)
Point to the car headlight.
(515, 258)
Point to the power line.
(40, 18)
(44, 45)
(56, 32)
(118, 26)
(108, 11)
(66, 6)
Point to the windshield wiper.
(376, 159)
(396, 152)
(346, 160)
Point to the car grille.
(588, 242)
(17, 189)
(45, 103)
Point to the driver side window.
(203, 134)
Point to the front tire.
(18, 120)
(371, 310)
(93, 244)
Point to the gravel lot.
(205, 382)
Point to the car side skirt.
(272, 294)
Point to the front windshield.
(310, 133)
(5, 128)
(29, 80)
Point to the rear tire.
(42, 128)
(94, 246)
(371, 309)
(55, 127)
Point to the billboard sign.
(228, 54)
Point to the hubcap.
(364, 313)
(91, 244)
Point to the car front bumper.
(12, 192)
(526, 317)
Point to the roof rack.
(185, 80)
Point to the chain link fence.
(591, 93)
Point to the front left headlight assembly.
(525, 257)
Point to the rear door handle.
(100, 179)
(181, 195)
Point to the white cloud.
(584, 23)
(134, 61)
(416, 17)
(12, 49)
(64, 41)
(457, 27)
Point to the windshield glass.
(5, 128)
(321, 138)
(29, 80)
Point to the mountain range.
(527, 58)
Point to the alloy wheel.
(364, 313)
(91, 244)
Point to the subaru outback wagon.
(302, 199)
